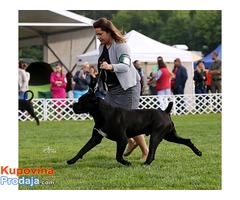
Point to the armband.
(125, 59)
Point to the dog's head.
(86, 103)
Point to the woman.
(200, 78)
(163, 82)
(82, 80)
(117, 71)
(58, 85)
(22, 80)
(200, 84)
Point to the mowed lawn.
(175, 166)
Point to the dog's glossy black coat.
(119, 124)
(26, 105)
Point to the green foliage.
(197, 29)
(34, 52)
(207, 28)
(175, 166)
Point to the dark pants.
(216, 86)
(199, 99)
(180, 101)
(153, 90)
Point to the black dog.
(26, 105)
(119, 124)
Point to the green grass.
(175, 166)
(41, 88)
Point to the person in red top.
(58, 85)
(208, 81)
(163, 82)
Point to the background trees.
(200, 30)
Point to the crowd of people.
(120, 81)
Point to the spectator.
(216, 70)
(162, 81)
(181, 76)
(178, 83)
(82, 80)
(69, 85)
(208, 81)
(28, 79)
(152, 87)
(139, 69)
(93, 75)
(22, 80)
(58, 86)
(200, 85)
(118, 72)
(200, 78)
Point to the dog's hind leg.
(37, 120)
(121, 145)
(173, 137)
(94, 141)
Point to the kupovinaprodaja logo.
(29, 181)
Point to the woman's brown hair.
(161, 63)
(109, 27)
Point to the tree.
(207, 29)
(34, 52)
(198, 29)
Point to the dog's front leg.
(155, 140)
(121, 145)
(94, 141)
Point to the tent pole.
(56, 56)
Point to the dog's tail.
(32, 95)
(169, 108)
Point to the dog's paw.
(196, 151)
(71, 162)
(128, 163)
(124, 162)
(199, 153)
(146, 163)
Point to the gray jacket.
(126, 73)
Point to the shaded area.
(40, 73)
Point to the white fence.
(50, 109)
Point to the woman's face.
(103, 36)
(58, 68)
(85, 68)
(200, 65)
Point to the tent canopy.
(208, 59)
(143, 49)
(33, 24)
(63, 34)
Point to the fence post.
(45, 116)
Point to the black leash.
(97, 84)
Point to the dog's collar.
(101, 132)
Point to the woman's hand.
(58, 83)
(106, 66)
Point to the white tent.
(146, 50)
